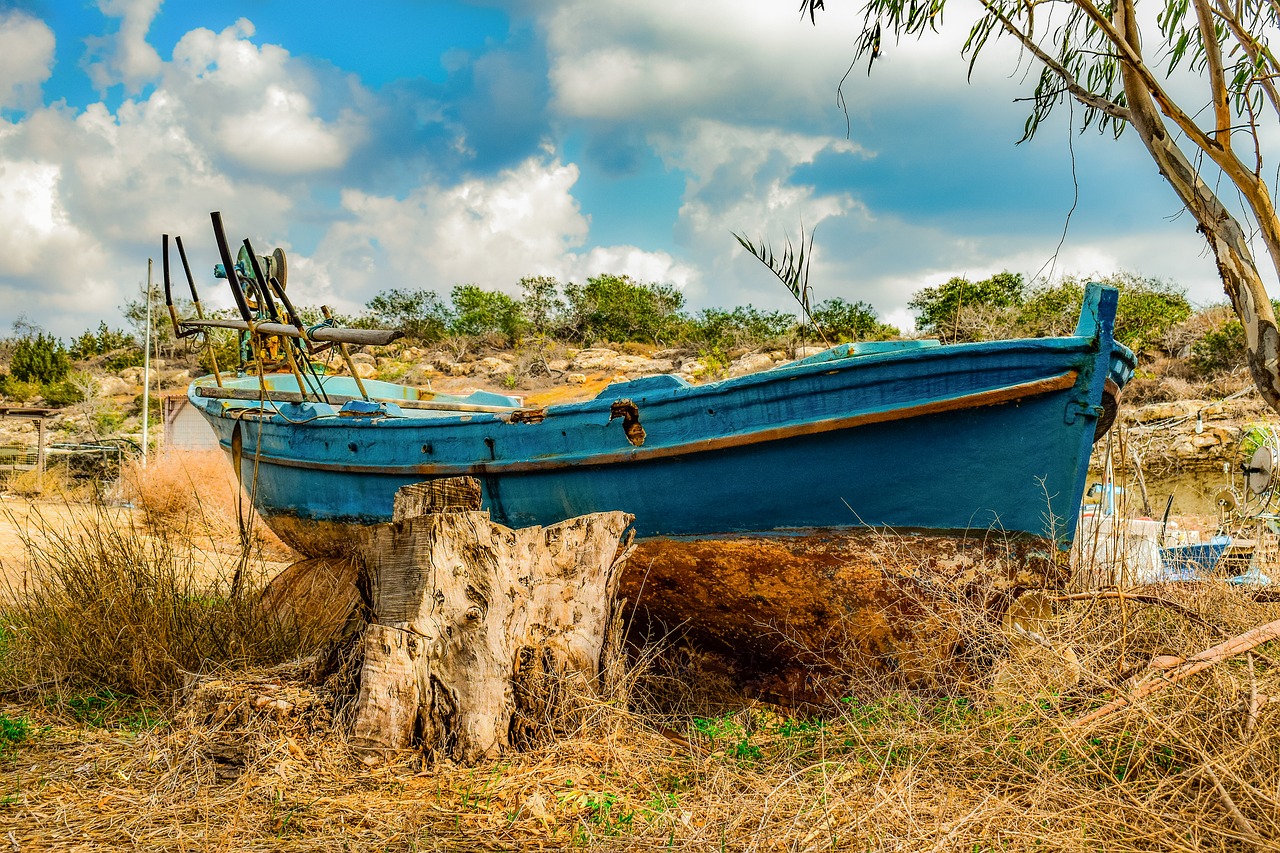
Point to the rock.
(753, 363)
(1166, 411)
(493, 366)
(366, 371)
(805, 352)
(131, 375)
(576, 379)
(693, 367)
(460, 368)
(640, 364)
(595, 359)
(363, 358)
(558, 365)
(114, 386)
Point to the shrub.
(418, 313)
(1221, 349)
(111, 608)
(105, 340)
(16, 389)
(64, 393)
(851, 321)
(541, 304)
(615, 308)
(942, 308)
(718, 330)
(481, 312)
(39, 357)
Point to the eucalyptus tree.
(1195, 79)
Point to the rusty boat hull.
(905, 436)
(833, 502)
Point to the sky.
(421, 144)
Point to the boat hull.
(958, 439)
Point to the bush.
(851, 321)
(1148, 309)
(719, 331)
(615, 308)
(64, 393)
(40, 358)
(418, 313)
(104, 340)
(479, 312)
(541, 305)
(1220, 350)
(16, 389)
(944, 308)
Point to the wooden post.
(40, 454)
(479, 633)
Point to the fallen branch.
(1158, 601)
(1246, 827)
(1245, 642)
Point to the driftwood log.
(479, 634)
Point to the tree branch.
(1083, 95)
(1217, 78)
(1254, 50)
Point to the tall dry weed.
(194, 493)
(106, 605)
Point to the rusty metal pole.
(146, 370)
(40, 454)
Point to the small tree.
(418, 313)
(616, 308)
(851, 321)
(481, 312)
(946, 311)
(541, 304)
(39, 358)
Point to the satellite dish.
(1261, 470)
(279, 270)
(1227, 500)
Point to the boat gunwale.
(713, 390)
(989, 397)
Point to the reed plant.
(106, 604)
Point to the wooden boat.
(903, 435)
(756, 497)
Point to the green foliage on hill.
(609, 309)
(39, 357)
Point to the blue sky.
(409, 144)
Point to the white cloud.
(26, 59)
(256, 104)
(85, 196)
(124, 57)
(490, 232)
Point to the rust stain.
(838, 601)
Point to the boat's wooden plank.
(274, 396)
(360, 337)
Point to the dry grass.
(104, 605)
(116, 745)
(258, 762)
(194, 494)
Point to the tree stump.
(476, 628)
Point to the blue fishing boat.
(907, 436)
(821, 513)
